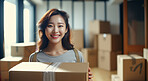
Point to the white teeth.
(55, 36)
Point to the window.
(28, 22)
(9, 25)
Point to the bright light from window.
(9, 26)
(26, 25)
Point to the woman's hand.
(90, 76)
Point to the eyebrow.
(53, 23)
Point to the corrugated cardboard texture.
(110, 42)
(108, 60)
(97, 27)
(33, 71)
(90, 55)
(77, 38)
(23, 49)
(131, 69)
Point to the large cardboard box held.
(110, 42)
(145, 54)
(37, 71)
(7, 63)
(97, 27)
(131, 67)
(77, 39)
(23, 49)
(90, 55)
(115, 77)
(108, 60)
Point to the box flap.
(30, 66)
(11, 59)
(73, 67)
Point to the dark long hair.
(42, 24)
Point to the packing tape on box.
(49, 74)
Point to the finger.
(90, 80)
(90, 77)
(89, 72)
(89, 69)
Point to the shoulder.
(80, 55)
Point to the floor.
(102, 75)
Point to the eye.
(60, 25)
(50, 25)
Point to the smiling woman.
(54, 44)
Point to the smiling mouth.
(55, 36)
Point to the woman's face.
(56, 29)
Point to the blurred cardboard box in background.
(77, 39)
(23, 49)
(97, 27)
(110, 42)
(6, 64)
(145, 54)
(131, 67)
(108, 60)
(90, 55)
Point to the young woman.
(54, 44)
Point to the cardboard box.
(96, 40)
(90, 55)
(131, 67)
(4, 75)
(110, 42)
(77, 39)
(115, 77)
(37, 71)
(6, 64)
(145, 54)
(9, 62)
(25, 59)
(97, 27)
(108, 60)
(23, 49)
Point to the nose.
(56, 29)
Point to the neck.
(54, 47)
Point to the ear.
(66, 30)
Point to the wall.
(112, 14)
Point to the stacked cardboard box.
(23, 49)
(130, 68)
(109, 46)
(6, 64)
(20, 52)
(108, 60)
(77, 39)
(97, 27)
(37, 71)
(145, 54)
(91, 54)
